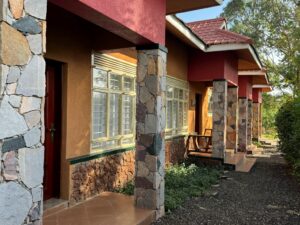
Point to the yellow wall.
(71, 40)
(177, 65)
(199, 88)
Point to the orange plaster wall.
(177, 61)
(71, 40)
(65, 44)
(199, 88)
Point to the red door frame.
(53, 109)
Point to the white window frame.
(184, 86)
(209, 101)
(114, 68)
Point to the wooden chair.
(198, 143)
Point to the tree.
(274, 25)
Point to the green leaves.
(274, 25)
(288, 127)
(181, 182)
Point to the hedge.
(288, 128)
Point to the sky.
(203, 14)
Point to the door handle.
(52, 132)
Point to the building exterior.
(90, 99)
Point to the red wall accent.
(138, 21)
(213, 66)
(257, 95)
(245, 87)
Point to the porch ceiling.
(176, 6)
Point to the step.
(53, 206)
(149, 219)
(245, 165)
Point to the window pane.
(128, 84)
(99, 78)
(99, 114)
(175, 114)
(186, 95)
(180, 115)
(181, 94)
(176, 93)
(115, 82)
(169, 92)
(127, 114)
(169, 114)
(209, 100)
(185, 113)
(114, 115)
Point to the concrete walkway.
(266, 195)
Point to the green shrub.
(182, 182)
(288, 128)
(127, 189)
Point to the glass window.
(177, 107)
(113, 110)
(209, 94)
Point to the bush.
(182, 182)
(288, 128)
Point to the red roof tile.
(213, 32)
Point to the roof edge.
(186, 31)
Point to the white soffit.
(185, 31)
(251, 73)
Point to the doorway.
(53, 108)
(198, 112)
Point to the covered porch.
(107, 208)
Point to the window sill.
(99, 154)
(175, 136)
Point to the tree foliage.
(274, 25)
(288, 126)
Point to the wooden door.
(52, 130)
(198, 114)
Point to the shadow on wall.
(90, 178)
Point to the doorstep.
(106, 209)
(54, 205)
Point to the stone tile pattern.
(256, 121)
(242, 129)
(260, 129)
(175, 150)
(232, 118)
(150, 117)
(104, 174)
(249, 122)
(219, 109)
(22, 89)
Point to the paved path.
(266, 195)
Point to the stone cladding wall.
(90, 178)
(255, 122)
(249, 123)
(243, 120)
(232, 118)
(151, 121)
(22, 91)
(175, 150)
(219, 109)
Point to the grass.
(181, 183)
